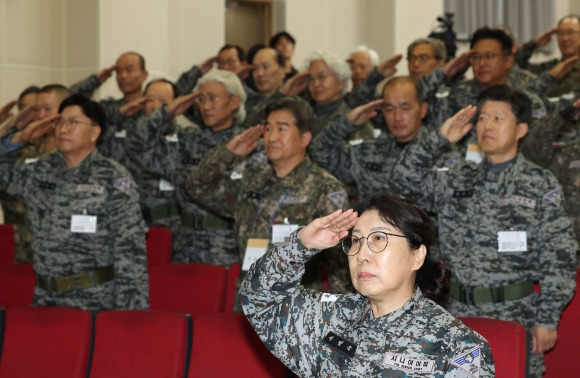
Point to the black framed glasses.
(377, 242)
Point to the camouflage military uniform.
(474, 203)
(202, 237)
(327, 112)
(557, 88)
(97, 187)
(461, 95)
(316, 335)
(257, 199)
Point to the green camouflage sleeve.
(127, 230)
(366, 91)
(147, 144)
(524, 53)
(430, 83)
(210, 183)
(86, 87)
(537, 145)
(332, 151)
(188, 80)
(540, 84)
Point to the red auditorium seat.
(189, 288)
(138, 343)
(561, 361)
(158, 246)
(234, 271)
(225, 345)
(46, 342)
(6, 244)
(16, 285)
(507, 341)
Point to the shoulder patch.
(554, 196)
(470, 361)
(337, 198)
(123, 184)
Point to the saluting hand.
(295, 84)
(34, 129)
(106, 73)
(561, 69)
(457, 126)
(361, 114)
(132, 107)
(24, 117)
(327, 231)
(389, 67)
(5, 111)
(207, 64)
(544, 37)
(179, 105)
(244, 71)
(244, 143)
(456, 65)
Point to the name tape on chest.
(121, 134)
(340, 344)
(469, 362)
(47, 185)
(90, 188)
(30, 160)
(521, 201)
(404, 362)
(574, 164)
(296, 199)
(165, 186)
(463, 193)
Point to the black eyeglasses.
(377, 242)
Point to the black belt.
(205, 222)
(80, 281)
(481, 295)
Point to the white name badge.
(255, 249)
(86, 224)
(512, 241)
(172, 138)
(327, 297)
(474, 153)
(574, 164)
(121, 134)
(403, 362)
(165, 186)
(281, 232)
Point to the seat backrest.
(141, 343)
(234, 271)
(6, 244)
(507, 341)
(561, 361)
(16, 285)
(226, 345)
(158, 246)
(188, 288)
(46, 342)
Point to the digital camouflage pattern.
(473, 203)
(172, 157)
(97, 187)
(249, 191)
(296, 324)
(569, 83)
(327, 112)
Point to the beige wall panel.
(81, 34)
(347, 26)
(381, 27)
(34, 32)
(20, 78)
(245, 25)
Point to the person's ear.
(419, 259)
(306, 138)
(521, 130)
(95, 133)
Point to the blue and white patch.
(554, 196)
(539, 113)
(337, 198)
(123, 184)
(452, 161)
(470, 361)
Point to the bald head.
(268, 71)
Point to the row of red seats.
(65, 342)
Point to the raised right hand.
(327, 231)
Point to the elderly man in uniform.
(172, 151)
(362, 62)
(88, 236)
(502, 224)
(270, 191)
(424, 55)
(568, 33)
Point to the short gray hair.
(233, 85)
(338, 66)
(439, 50)
(373, 55)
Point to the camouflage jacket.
(172, 157)
(98, 187)
(326, 113)
(474, 203)
(321, 335)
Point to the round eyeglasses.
(377, 242)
